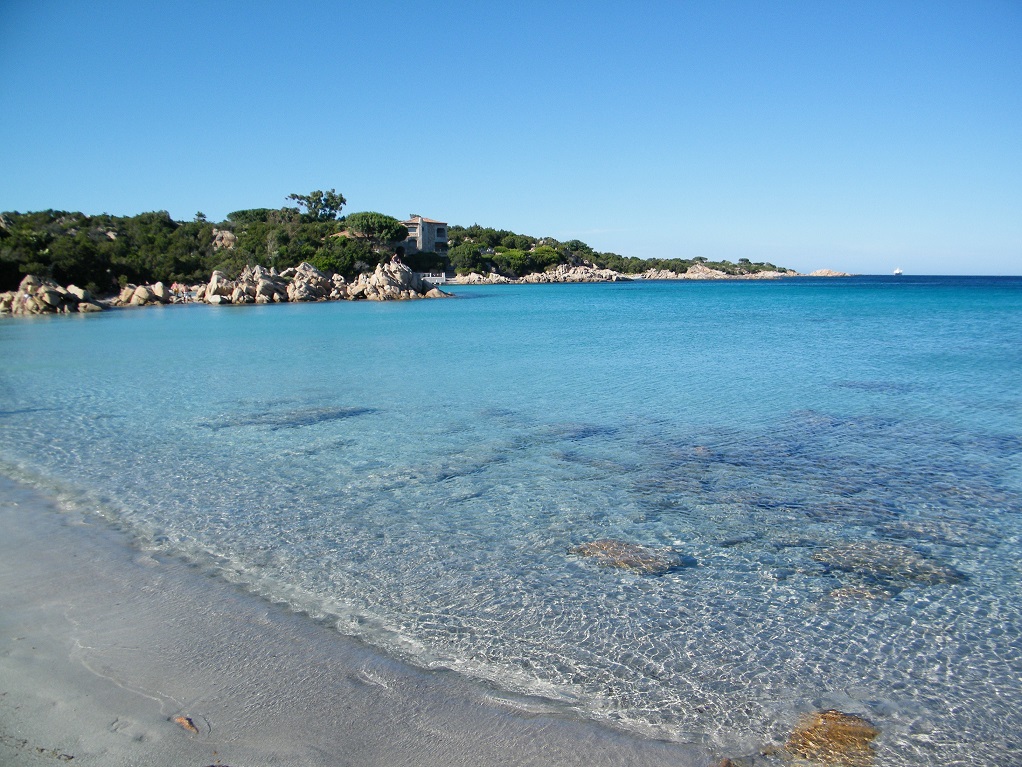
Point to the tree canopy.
(104, 252)
(379, 229)
(319, 205)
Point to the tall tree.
(320, 205)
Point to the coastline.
(588, 272)
(104, 646)
(390, 282)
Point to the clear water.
(415, 473)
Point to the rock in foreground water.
(861, 593)
(887, 562)
(646, 560)
(833, 738)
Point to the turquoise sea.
(837, 462)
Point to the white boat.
(898, 272)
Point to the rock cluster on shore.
(142, 295)
(583, 273)
(703, 272)
(475, 278)
(392, 281)
(39, 295)
(588, 272)
(255, 285)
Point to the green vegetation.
(98, 252)
(320, 205)
(481, 249)
(102, 253)
(382, 232)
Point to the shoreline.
(304, 283)
(589, 272)
(104, 645)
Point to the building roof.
(423, 220)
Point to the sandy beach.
(103, 647)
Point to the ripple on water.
(852, 537)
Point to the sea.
(834, 465)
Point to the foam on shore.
(102, 647)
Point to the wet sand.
(103, 646)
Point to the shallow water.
(415, 474)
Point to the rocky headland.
(393, 281)
(703, 272)
(390, 282)
(255, 285)
(589, 272)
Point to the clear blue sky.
(853, 135)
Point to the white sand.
(101, 646)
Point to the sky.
(858, 136)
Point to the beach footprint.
(129, 728)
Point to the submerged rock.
(887, 562)
(832, 737)
(958, 532)
(646, 560)
(860, 593)
(275, 420)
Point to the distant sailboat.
(898, 272)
